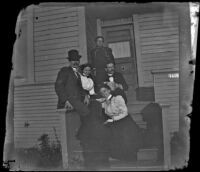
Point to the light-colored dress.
(125, 138)
(115, 108)
(87, 84)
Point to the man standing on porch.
(99, 57)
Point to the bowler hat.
(73, 55)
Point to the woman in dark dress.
(93, 135)
(125, 136)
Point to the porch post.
(166, 136)
(64, 145)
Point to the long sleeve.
(123, 82)
(122, 108)
(60, 85)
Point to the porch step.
(136, 106)
(147, 154)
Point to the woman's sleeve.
(120, 104)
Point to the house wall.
(167, 92)
(55, 31)
(157, 44)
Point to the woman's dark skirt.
(125, 139)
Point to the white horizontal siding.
(158, 43)
(35, 105)
(167, 92)
(56, 31)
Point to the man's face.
(110, 68)
(99, 42)
(75, 64)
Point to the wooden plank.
(162, 23)
(161, 63)
(158, 58)
(69, 33)
(48, 67)
(45, 79)
(160, 42)
(176, 49)
(32, 92)
(54, 12)
(55, 46)
(55, 41)
(167, 33)
(31, 116)
(64, 14)
(149, 68)
(21, 105)
(167, 95)
(158, 26)
(44, 10)
(164, 29)
(23, 99)
(39, 97)
(51, 62)
(47, 74)
(57, 21)
(38, 123)
(159, 46)
(160, 55)
(56, 50)
(34, 95)
(33, 111)
(57, 26)
(158, 14)
(54, 31)
(57, 36)
(138, 50)
(159, 17)
(163, 38)
(51, 57)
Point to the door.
(120, 39)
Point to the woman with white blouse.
(125, 138)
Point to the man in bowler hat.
(68, 86)
(98, 58)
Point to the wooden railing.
(166, 136)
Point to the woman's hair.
(103, 86)
(83, 66)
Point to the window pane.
(120, 49)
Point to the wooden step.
(147, 154)
(136, 107)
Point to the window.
(120, 49)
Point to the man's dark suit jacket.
(119, 79)
(68, 87)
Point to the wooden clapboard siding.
(157, 45)
(36, 105)
(167, 92)
(56, 31)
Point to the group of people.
(98, 94)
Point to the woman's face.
(105, 92)
(87, 71)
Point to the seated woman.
(125, 136)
